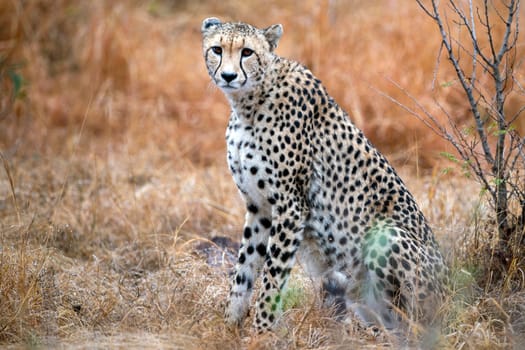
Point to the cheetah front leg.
(285, 237)
(250, 259)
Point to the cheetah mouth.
(230, 86)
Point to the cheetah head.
(237, 55)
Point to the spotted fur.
(314, 186)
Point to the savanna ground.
(113, 174)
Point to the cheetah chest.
(249, 166)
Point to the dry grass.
(113, 172)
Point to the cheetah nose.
(229, 77)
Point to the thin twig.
(12, 186)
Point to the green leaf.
(498, 182)
(446, 170)
(504, 131)
(483, 191)
(492, 126)
(447, 83)
(293, 296)
(18, 82)
(500, 132)
(467, 130)
(449, 156)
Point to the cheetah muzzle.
(314, 186)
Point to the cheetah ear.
(209, 22)
(273, 34)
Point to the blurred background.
(130, 73)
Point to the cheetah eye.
(217, 50)
(246, 52)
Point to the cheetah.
(314, 187)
